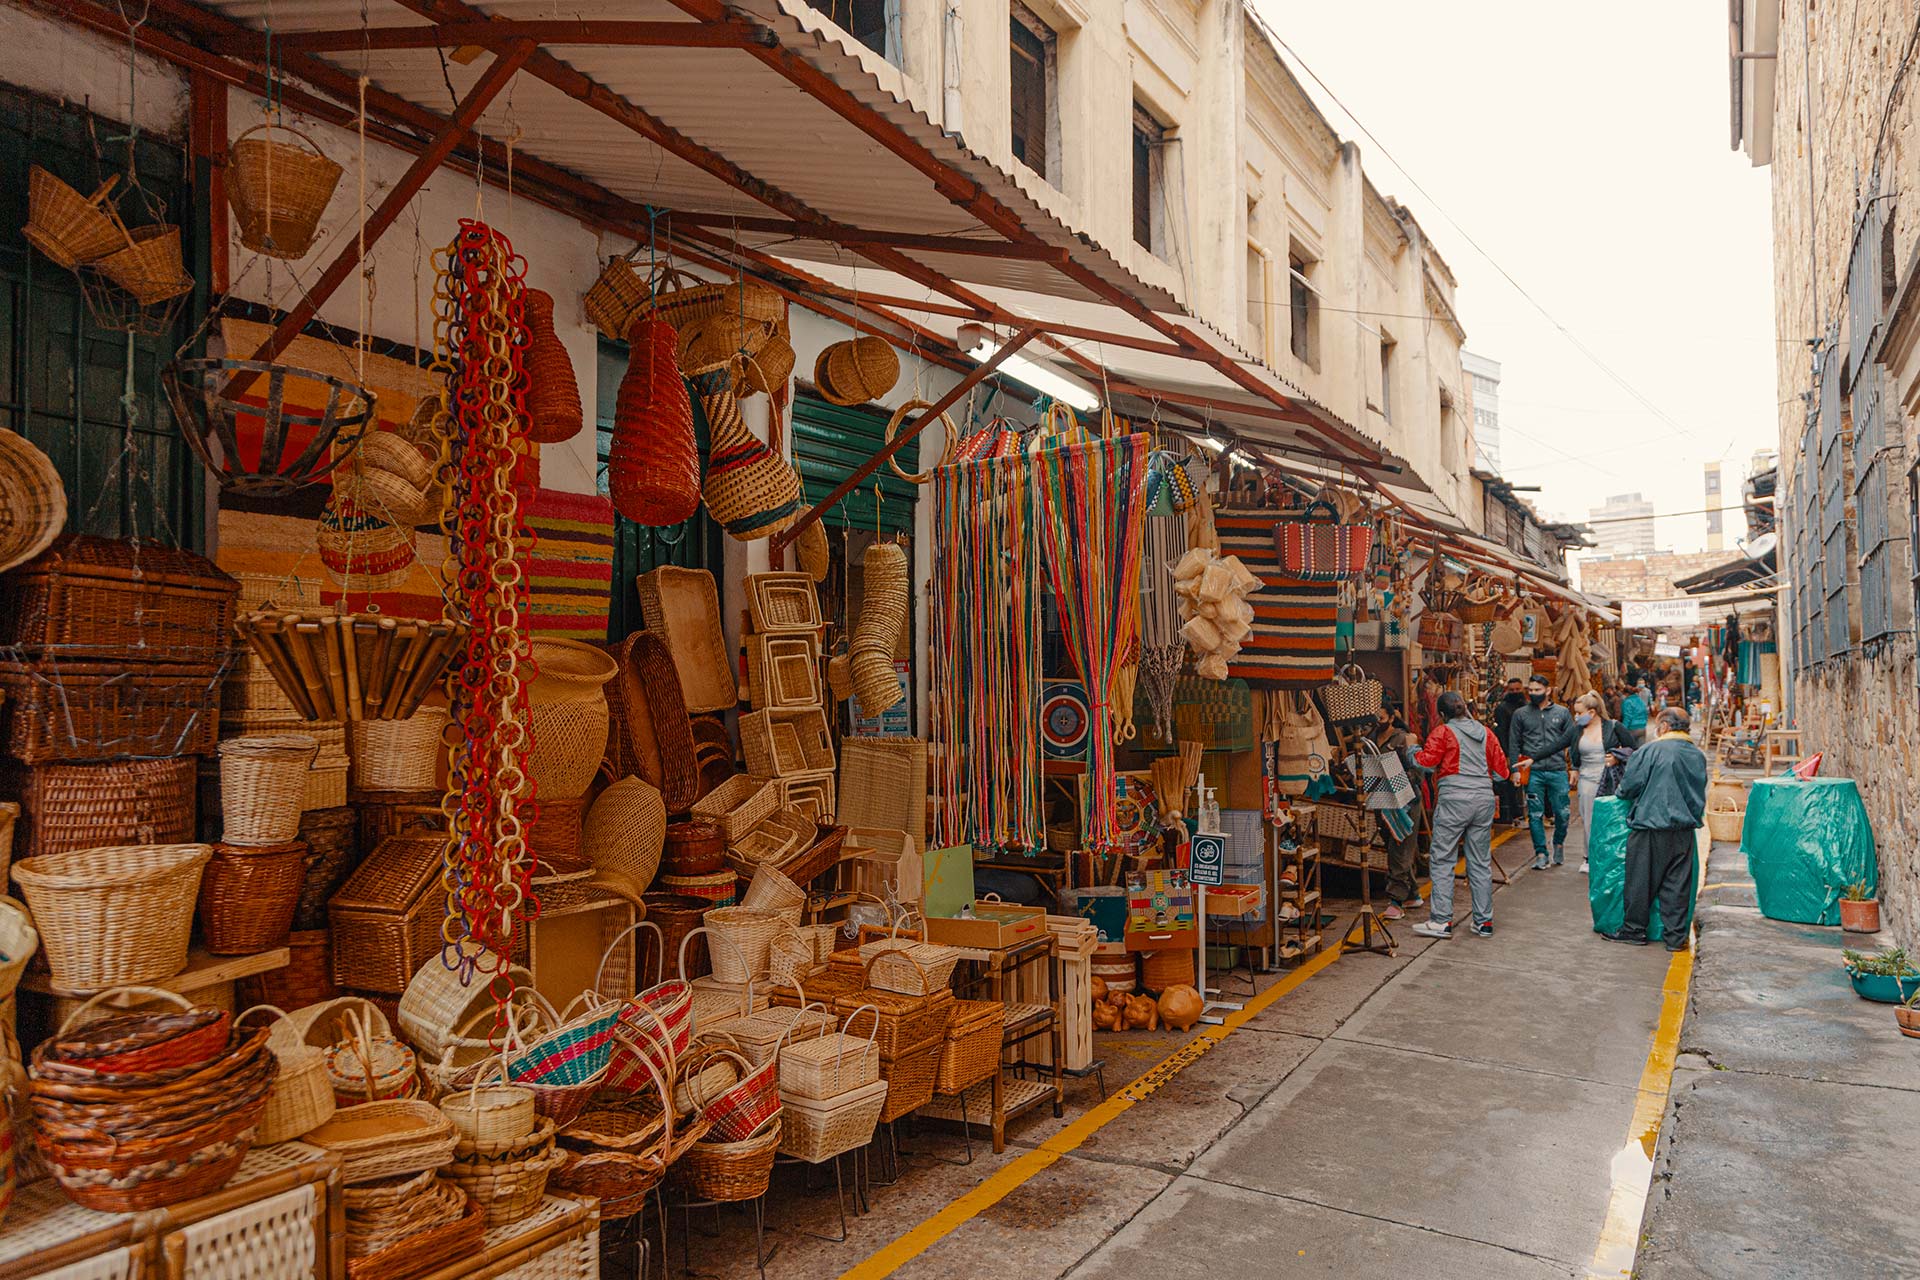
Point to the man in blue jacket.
(1665, 787)
(1633, 713)
(1542, 731)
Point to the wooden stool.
(1777, 741)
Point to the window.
(1257, 299)
(1145, 136)
(1033, 94)
(1452, 445)
(867, 21)
(1387, 345)
(1303, 309)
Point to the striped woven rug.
(571, 570)
(1292, 642)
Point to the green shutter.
(830, 443)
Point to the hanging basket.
(750, 490)
(857, 370)
(553, 394)
(216, 417)
(278, 191)
(653, 468)
(360, 551)
(68, 227)
(33, 501)
(150, 266)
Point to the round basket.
(390, 478)
(507, 1187)
(33, 501)
(569, 739)
(440, 1000)
(263, 783)
(883, 612)
(217, 404)
(771, 891)
(950, 432)
(812, 552)
(359, 550)
(624, 833)
(150, 267)
(370, 1066)
(182, 1038)
(721, 889)
(693, 848)
(19, 940)
(399, 755)
(68, 227)
(247, 896)
(114, 915)
(278, 190)
(301, 1098)
(730, 1171)
(747, 934)
(1726, 825)
(497, 1113)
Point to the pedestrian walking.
(1633, 713)
(1512, 801)
(1665, 787)
(1466, 759)
(1541, 736)
(1597, 743)
(1389, 733)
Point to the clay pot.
(1860, 917)
(1908, 1020)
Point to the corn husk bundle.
(1574, 675)
(1215, 615)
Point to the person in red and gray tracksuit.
(1465, 758)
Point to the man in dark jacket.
(1665, 788)
(1541, 731)
(1513, 805)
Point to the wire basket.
(217, 404)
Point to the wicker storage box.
(810, 793)
(108, 710)
(1344, 822)
(108, 599)
(790, 741)
(738, 805)
(783, 602)
(87, 806)
(386, 918)
(783, 671)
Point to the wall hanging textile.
(1162, 651)
(480, 335)
(986, 654)
(1292, 641)
(1093, 500)
(653, 467)
(1216, 714)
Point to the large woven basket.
(653, 464)
(570, 717)
(623, 834)
(248, 894)
(730, 1171)
(33, 500)
(683, 607)
(883, 616)
(1726, 825)
(749, 489)
(68, 227)
(654, 728)
(399, 755)
(745, 935)
(278, 190)
(554, 412)
(816, 1131)
(114, 915)
(263, 783)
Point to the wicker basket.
(85, 806)
(856, 371)
(654, 730)
(693, 848)
(829, 1067)
(491, 1116)
(33, 500)
(117, 599)
(386, 1139)
(440, 1000)
(369, 1066)
(114, 915)
(105, 711)
(729, 1171)
(773, 842)
(399, 755)
(816, 1131)
(68, 227)
(263, 781)
(903, 1021)
(554, 412)
(683, 606)
(1726, 825)
(301, 1098)
(910, 1078)
(883, 616)
(971, 1051)
(150, 266)
(653, 464)
(744, 935)
(883, 784)
(386, 918)
(508, 1186)
(305, 980)
(248, 895)
(805, 746)
(424, 1251)
(783, 672)
(332, 840)
(770, 890)
(739, 805)
(909, 968)
(278, 191)
(783, 602)
(623, 835)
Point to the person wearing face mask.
(1542, 732)
(1512, 801)
(1466, 759)
(1598, 742)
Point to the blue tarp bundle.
(1805, 842)
(1607, 869)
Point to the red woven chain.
(480, 338)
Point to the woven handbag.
(1302, 749)
(1316, 546)
(1352, 698)
(750, 490)
(1385, 777)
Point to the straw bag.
(1317, 546)
(1385, 777)
(653, 468)
(1352, 698)
(278, 191)
(750, 490)
(301, 1098)
(1302, 747)
(114, 915)
(33, 500)
(553, 394)
(883, 615)
(68, 227)
(832, 1065)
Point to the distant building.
(1623, 525)
(1485, 376)
(1716, 528)
(1651, 577)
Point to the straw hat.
(33, 501)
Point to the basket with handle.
(437, 1003)
(248, 894)
(186, 1036)
(1353, 697)
(709, 1068)
(620, 1154)
(730, 1171)
(739, 1110)
(716, 1002)
(149, 265)
(370, 1067)
(490, 1115)
(831, 1065)
(751, 491)
(563, 1067)
(1317, 546)
(748, 933)
(114, 915)
(278, 190)
(761, 1035)
(816, 1132)
(971, 1050)
(70, 228)
(909, 968)
(508, 1186)
(301, 1098)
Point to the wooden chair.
(1782, 744)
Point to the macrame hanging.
(1162, 650)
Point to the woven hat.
(33, 501)
(625, 830)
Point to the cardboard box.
(995, 926)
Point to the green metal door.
(830, 443)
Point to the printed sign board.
(1207, 863)
(1650, 615)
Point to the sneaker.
(1621, 937)
(1540, 862)
(1411, 904)
(1583, 867)
(1433, 929)
(1392, 912)
(1559, 857)
(1481, 929)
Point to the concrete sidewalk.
(1789, 1144)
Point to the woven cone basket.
(653, 469)
(750, 490)
(553, 394)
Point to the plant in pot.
(1859, 909)
(1886, 975)
(1907, 1015)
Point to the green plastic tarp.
(1805, 842)
(1607, 869)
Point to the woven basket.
(909, 968)
(971, 1051)
(19, 941)
(33, 500)
(903, 1021)
(683, 607)
(301, 1098)
(1726, 825)
(749, 489)
(561, 870)
(693, 848)
(883, 614)
(768, 369)
(570, 717)
(371, 1067)
(857, 370)
(110, 599)
(745, 934)
(616, 298)
(553, 394)
(399, 755)
(654, 728)
(84, 806)
(263, 781)
(829, 1067)
(150, 266)
(817, 1131)
(114, 915)
(770, 890)
(440, 1000)
(491, 1116)
(386, 1139)
(278, 191)
(388, 477)
(508, 1188)
(730, 1171)
(721, 889)
(360, 551)
(305, 980)
(332, 840)
(623, 835)
(68, 227)
(653, 463)
(910, 1078)
(739, 805)
(247, 896)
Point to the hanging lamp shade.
(654, 466)
(751, 490)
(553, 393)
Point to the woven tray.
(683, 606)
(783, 602)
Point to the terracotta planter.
(1860, 917)
(1908, 1019)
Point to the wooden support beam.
(834, 233)
(724, 34)
(785, 538)
(505, 65)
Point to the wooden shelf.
(203, 970)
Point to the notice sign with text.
(1650, 615)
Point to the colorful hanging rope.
(1093, 505)
(480, 335)
(986, 654)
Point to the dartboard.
(1064, 720)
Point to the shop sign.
(1651, 615)
(1666, 651)
(1207, 862)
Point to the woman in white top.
(1597, 742)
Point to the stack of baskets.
(831, 1095)
(407, 1224)
(505, 1153)
(909, 1030)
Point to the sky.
(1585, 151)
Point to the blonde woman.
(1598, 740)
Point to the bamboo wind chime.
(1093, 503)
(480, 333)
(986, 654)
